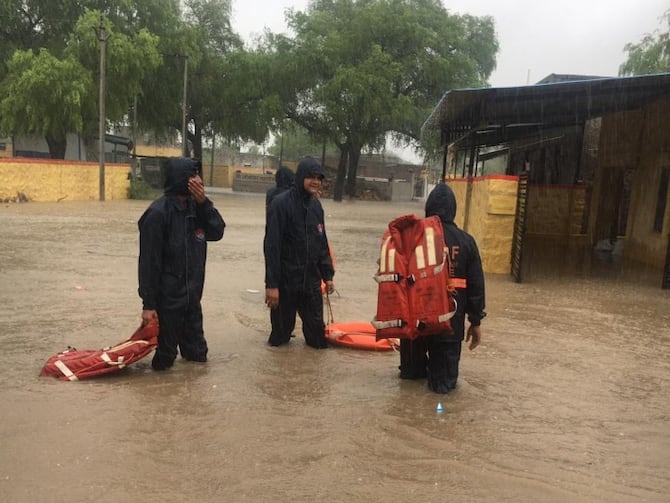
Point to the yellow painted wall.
(460, 188)
(53, 180)
(157, 151)
(222, 176)
(640, 140)
(555, 209)
(491, 215)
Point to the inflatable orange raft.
(73, 364)
(358, 335)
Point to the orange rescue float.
(358, 335)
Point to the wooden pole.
(101, 130)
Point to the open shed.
(592, 160)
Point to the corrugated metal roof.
(490, 116)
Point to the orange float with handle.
(356, 334)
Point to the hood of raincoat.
(177, 171)
(441, 202)
(307, 167)
(284, 177)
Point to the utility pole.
(211, 164)
(134, 140)
(102, 37)
(183, 110)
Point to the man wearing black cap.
(297, 258)
(174, 231)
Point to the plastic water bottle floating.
(439, 407)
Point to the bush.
(139, 189)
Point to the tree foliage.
(362, 68)
(354, 71)
(43, 95)
(227, 89)
(53, 90)
(293, 142)
(651, 54)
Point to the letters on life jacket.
(414, 296)
(73, 364)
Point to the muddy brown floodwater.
(566, 400)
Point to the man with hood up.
(284, 178)
(297, 258)
(174, 231)
(437, 357)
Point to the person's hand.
(330, 286)
(197, 188)
(474, 336)
(148, 315)
(272, 297)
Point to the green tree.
(360, 69)
(50, 84)
(130, 57)
(246, 107)
(293, 142)
(651, 54)
(51, 96)
(43, 95)
(227, 88)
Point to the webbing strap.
(65, 371)
(380, 325)
(383, 278)
(105, 358)
(458, 282)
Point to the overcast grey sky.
(536, 37)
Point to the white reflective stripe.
(391, 265)
(387, 324)
(383, 278)
(420, 259)
(127, 344)
(65, 371)
(105, 358)
(430, 246)
(448, 316)
(382, 256)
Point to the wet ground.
(565, 401)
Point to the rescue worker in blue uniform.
(174, 231)
(297, 258)
(437, 357)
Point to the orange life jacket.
(414, 297)
(73, 364)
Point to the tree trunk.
(341, 172)
(57, 146)
(196, 140)
(354, 156)
(91, 148)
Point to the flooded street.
(566, 400)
